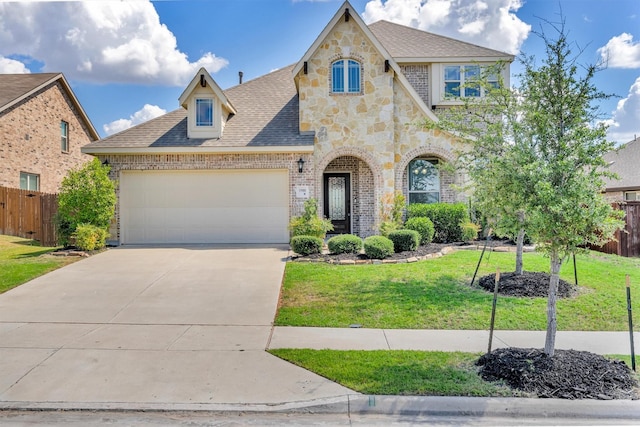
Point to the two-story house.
(42, 128)
(342, 125)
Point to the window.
(204, 112)
(345, 76)
(64, 136)
(424, 181)
(458, 81)
(632, 196)
(29, 181)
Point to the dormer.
(208, 108)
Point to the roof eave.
(198, 150)
(457, 59)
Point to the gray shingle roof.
(15, 86)
(267, 116)
(407, 42)
(625, 164)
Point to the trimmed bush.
(469, 231)
(422, 225)
(378, 247)
(446, 219)
(89, 237)
(309, 223)
(345, 244)
(306, 245)
(404, 240)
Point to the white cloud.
(147, 112)
(490, 23)
(625, 121)
(99, 41)
(621, 52)
(11, 66)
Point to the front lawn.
(434, 294)
(21, 261)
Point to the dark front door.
(337, 201)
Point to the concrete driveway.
(151, 327)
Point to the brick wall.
(30, 139)
(418, 77)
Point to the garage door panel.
(248, 206)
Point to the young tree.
(87, 196)
(535, 156)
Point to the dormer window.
(204, 112)
(345, 76)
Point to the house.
(43, 127)
(342, 125)
(624, 163)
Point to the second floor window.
(64, 136)
(459, 81)
(204, 112)
(345, 76)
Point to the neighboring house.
(42, 128)
(342, 126)
(624, 163)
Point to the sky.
(129, 60)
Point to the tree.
(87, 196)
(536, 152)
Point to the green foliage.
(469, 231)
(446, 218)
(391, 211)
(422, 225)
(378, 247)
(306, 245)
(87, 196)
(404, 240)
(309, 223)
(345, 244)
(89, 237)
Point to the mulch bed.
(569, 374)
(527, 284)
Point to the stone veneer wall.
(30, 139)
(288, 161)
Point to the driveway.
(151, 327)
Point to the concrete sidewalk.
(444, 340)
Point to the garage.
(204, 206)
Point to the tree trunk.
(519, 250)
(550, 341)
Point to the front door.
(337, 201)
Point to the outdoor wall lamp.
(300, 165)
(106, 162)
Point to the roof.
(14, 88)
(406, 44)
(624, 162)
(267, 117)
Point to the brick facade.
(30, 139)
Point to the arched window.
(424, 181)
(345, 76)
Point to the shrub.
(446, 219)
(469, 231)
(378, 247)
(404, 240)
(306, 245)
(309, 224)
(391, 209)
(344, 244)
(422, 225)
(89, 237)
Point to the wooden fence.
(28, 214)
(627, 241)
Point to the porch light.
(300, 165)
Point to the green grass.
(434, 294)
(394, 372)
(21, 261)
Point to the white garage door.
(230, 206)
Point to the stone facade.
(30, 140)
(375, 132)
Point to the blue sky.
(128, 61)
